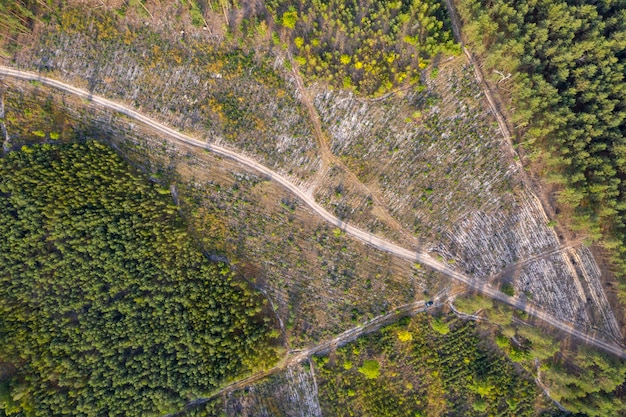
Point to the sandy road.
(365, 237)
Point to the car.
(429, 303)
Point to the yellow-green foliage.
(373, 45)
(542, 346)
(430, 374)
(370, 368)
(405, 336)
(290, 18)
(470, 304)
(440, 326)
(500, 314)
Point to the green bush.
(370, 368)
(290, 18)
(507, 288)
(440, 326)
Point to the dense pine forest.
(568, 62)
(107, 307)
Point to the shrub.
(370, 368)
(507, 288)
(439, 326)
(405, 336)
(290, 18)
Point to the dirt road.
(329, 159)
(295, 357)
(367, 238)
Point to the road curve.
(366, 237)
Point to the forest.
(492, 363)
(567, 64)
(368, 46)
(108, 307)
(583, 380)
(424, 366)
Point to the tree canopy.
(568, 60)
(107, 306)
(368, 46)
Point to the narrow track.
(365, 237)
(295, 357)
(329, 159)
